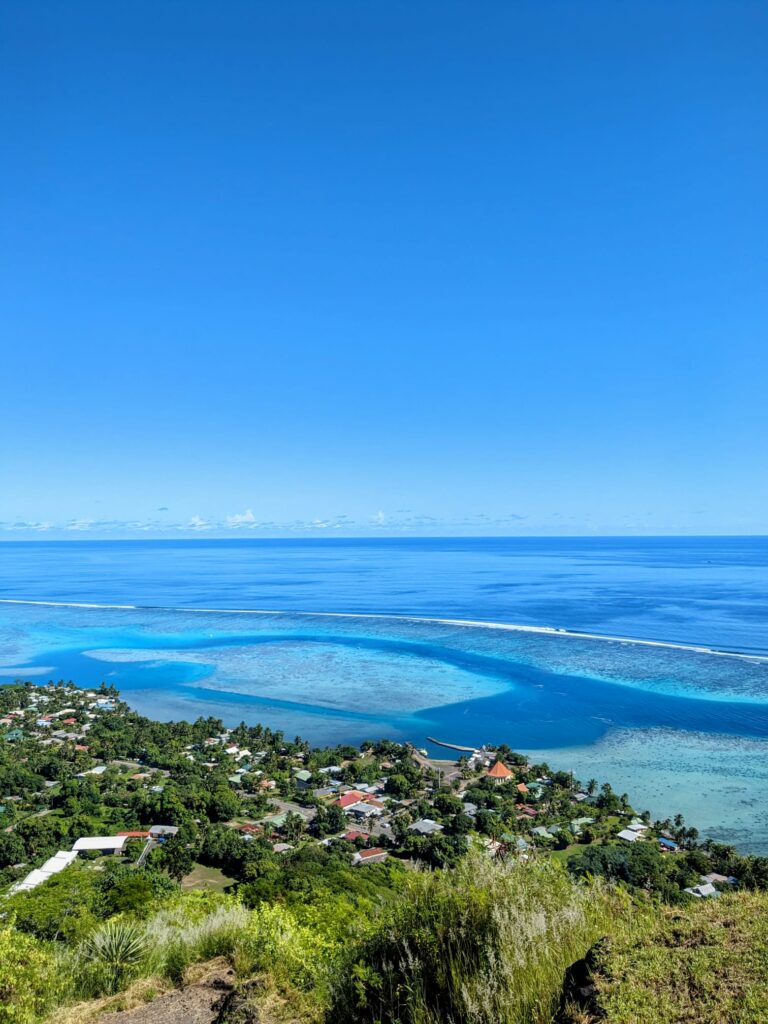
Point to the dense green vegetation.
(484, 891)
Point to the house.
(101, 844)
(303, 780)
(469, 808)
(703, 891)
(630, 835)
(499, 773)
(134, 835)
(668, 845)
(162, 832)
(541, 832)
(373, 856)
(348, 799)
(353, 835)
(521, 788)
(716, 879)
(425, 827)
(282, 847)
(363, 809)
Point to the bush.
(112, 956)
(487, 943)
(30, 977)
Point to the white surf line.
(72, 604)
(507, 626)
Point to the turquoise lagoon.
(679, 729)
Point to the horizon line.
(330, 537)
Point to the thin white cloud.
(197, 523)
(241, 519)
(79, 524)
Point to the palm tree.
(591, 787)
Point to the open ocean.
(678, 729)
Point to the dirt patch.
(198, 1003)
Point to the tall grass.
(488, 943)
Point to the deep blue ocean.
(678, 729)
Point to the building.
(101, 844)
(373, 856)
(704, 891)
(499, 773)
(629, 835)
(162, 832)
(52, 866)
(348, 799)
(363, 809)
(425, 827)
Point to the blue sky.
(356, 268)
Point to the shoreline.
(471, 623)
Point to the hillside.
(704, 964)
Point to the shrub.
(113, 955)
(487, 943)
(29, 977)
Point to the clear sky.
(356, 267)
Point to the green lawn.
(202, 877)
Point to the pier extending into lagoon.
(451, 746)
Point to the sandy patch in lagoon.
(325, 675)
(15, 672)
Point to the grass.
(706, 963)
(488, 943)
(202, 877)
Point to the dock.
(451, 746)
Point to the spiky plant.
(115, 952)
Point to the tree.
(12, 849)
(223, 804)
(177, 858)
(293, 827)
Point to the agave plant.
(116, 950)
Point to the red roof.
(134, 835)
(347, 799)
(352, 836)
(376, 851)
(69, 721)
(522, 788)
(499, 771)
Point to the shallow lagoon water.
(680, 730)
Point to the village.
(385, 801)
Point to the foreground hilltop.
(222, 874)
